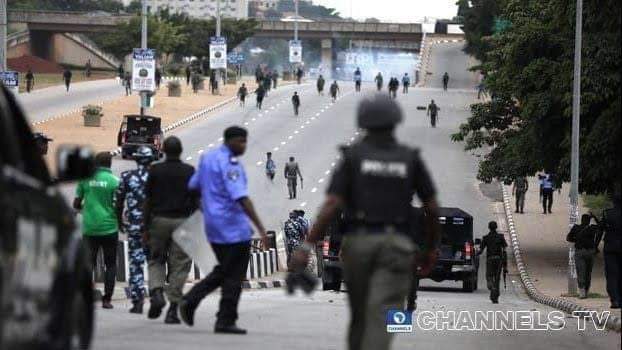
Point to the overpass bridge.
(405, 36)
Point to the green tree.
(67, 5)
(528, 68)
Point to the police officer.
(260, 92)
(445, 81)
(42, 143)
(296, 102)
(242, 92)
(320, 85)
(357, 79)
(227, 208)
(519, 189)
(270, 166)
(405, 83)
(291, 173)
(374, 185)
(293, 235)
(130, 198)
(378, 80)
(495, 259)
(612, 250)
(585, 238)
(67, 78)
(334, 90)
(433, 113)
(30, 80)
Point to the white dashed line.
(246, 123)
(200, 151)
(259, 163)
(220, 139)
(303, 204)
(317, 114)
(290, 137)
(210, 145)
(188, 158)
(332, 164)
(308, 122)
(327, 172)
(295, 131)
(253, 119)
(320, 180)
(275, 149)
(314, 189)
(283, 143)
(312, 118)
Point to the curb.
(613, 322)
(263, 284)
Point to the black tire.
(467, 283)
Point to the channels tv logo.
(399, 321)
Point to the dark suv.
(457, 260)
(46, 294)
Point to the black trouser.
(296, 106)
(357, 86)
(584, 261)
(405, 90)
(228, 275)
(108, 244)
(28, 85)
(67, 83)
(547, 199)
(520, 201)
(412, 294)
(613, 274)
(187, 79)
(259, 101)
(433, 120)
(494, 265)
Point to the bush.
(174, 69)
(92, 110)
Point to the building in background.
(202, 8)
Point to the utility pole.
(3, 35)
(296, 21)
(218, 18)
(143, 45)
(574, 158)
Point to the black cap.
(378, 112)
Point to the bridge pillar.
(327, 57)
(41, 44)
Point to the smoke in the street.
(371, 61)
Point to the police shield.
(191, 239)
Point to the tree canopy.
(66, 5)
(526, 52)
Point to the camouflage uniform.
(132, 190)
(293, 235)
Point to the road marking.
(312, 118)
(220, 139)
(200, 151)
(289, 137)
(327, 172)
(259, 115)
(188, 158)
(283, 143)
(332, 164)
(303, 204)
(302, 126)
(246, 123)
(314, 189)
(253, 119)
(320, 180)
(317, 114)
(352, 139)
(259, 163)
(308, 122)
(275, 149)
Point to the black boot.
(171, 315)
(157, 303)
(186, 311)
(229, 329)
(138, 306)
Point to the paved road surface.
(319, 322)
(49, 102)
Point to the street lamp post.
(3, 35)
(143, 44)
(217, 18)
(296, 20)
(574, 158)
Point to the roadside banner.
(143, 70)
(10, 79)
(295, 51)
(218, 52)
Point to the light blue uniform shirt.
(222, 182)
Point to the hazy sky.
(393, 10)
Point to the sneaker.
(157, 303)
(186, 312)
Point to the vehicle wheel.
(331, 280)
(468, 285)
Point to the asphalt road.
(319, 321)
(53, 101)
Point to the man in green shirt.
(95, 200)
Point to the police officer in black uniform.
(495, 259)
(374, 185)
(612, 250)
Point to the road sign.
(295, 51)
(235, 58)
(10, 79)
(143, 70)
(218, 52)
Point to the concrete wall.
(19, 50)
(67, 51)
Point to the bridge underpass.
(403, 36)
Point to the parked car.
(136, 131)
(46, 293)
(457, 261)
